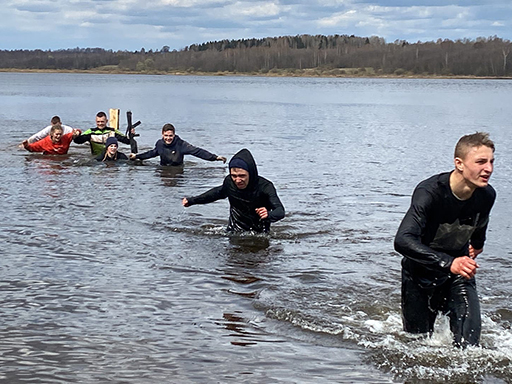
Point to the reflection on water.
(239, 329)
(253, 243)
(170, 175)
(106, 277)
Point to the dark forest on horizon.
(336, 55)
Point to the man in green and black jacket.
(98, 136)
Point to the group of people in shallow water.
(253, 200)
(440, 236)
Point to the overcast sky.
(152, 24)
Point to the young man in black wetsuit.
(253, 200)
(440, 237)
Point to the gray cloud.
(131, 25)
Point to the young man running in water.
(440, 237)
(253, 200)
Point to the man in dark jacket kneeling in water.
(253, 200)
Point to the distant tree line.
(335, 55)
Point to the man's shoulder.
(487, 193)
(436, 180)
(46, 139)
(89, 131)
(262, 179)
(66, 128)
(434, 184)
(67, 137)
(99, 131)
(116, 131)
(179, 141)
(265, 183)
(45, 142)
(435, 188)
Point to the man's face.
(477, 166)
(168, 137)
(112, 149)
(240, 177)
(101, 122)
(56, 136)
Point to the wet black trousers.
(457, 298)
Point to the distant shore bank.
(313, 72)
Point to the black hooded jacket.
(118, 156)
(259, 192)
(172, 154)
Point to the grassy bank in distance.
(275, 72)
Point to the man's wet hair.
(467, 142)
(55, 120)
(168, 127)
(101, 114)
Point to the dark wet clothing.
(457, 297)
(119, 156)
(172, 154)
(437, 228)
(259, 192)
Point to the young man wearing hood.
(171, 149)
(253, 200)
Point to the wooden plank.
(114, 118)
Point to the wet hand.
(262, 212)
(132, 156)
(473, 253)
(464, 266)
(221, 158)
(184, 202)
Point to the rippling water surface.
(105, 277)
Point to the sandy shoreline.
(314, 72)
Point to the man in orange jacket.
(56, 143)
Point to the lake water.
(105, 277)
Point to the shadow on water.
(245, 255)
(169, 175)
(240, 328)
(249, 243)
